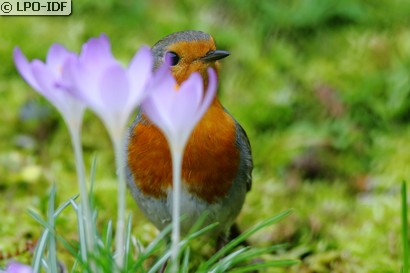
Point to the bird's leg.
(234, 232)
(163, 267)
(221, 241)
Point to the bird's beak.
(214, 55)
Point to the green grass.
(151, 257)
(405, 235)
(311, 81)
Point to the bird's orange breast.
(210, 161)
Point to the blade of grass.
(108, 235)
(60, 209)
(46, 225)
(198, 224)
(163, 259)
(82, 243)
(67, 246)
(405, 236)
(137, 244)
(246, 256)
(38, 218)
(52, 247)
(227, 261)
(232, 244)
(269, 264)
(39, 251)
(81, 235)
(57, 212)
(127, 242)
(153, 247)
(185, 262)
(252, 252)
(198, 233)
(181, 246)
(103, 259)
(45, 265)
(74, 268)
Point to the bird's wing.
(246, 164)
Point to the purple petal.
(44, 78)
(186, 104)
(97, 51)
(176, 112)
(162, 88)
(58, 96)
(114, 87)
(15, 267)
(162, 74)
(194, 82)
(70, 73)
(209, 93)
(65, 80)
(140, 68)
(82, 86)
(150, 109)
(166, 95)
(24, 68)
(56, 56)
(159, 100)
(157, 115)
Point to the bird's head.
(187, 52)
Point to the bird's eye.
(171, 58)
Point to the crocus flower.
(50, 81)
(15, 267)
(112, 92)
(175, 110)
(109, 89)
(47, 79)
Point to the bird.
(217, 161)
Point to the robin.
(217, 162)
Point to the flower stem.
(85, 203)
(177, 156)
(120, 229)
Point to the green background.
(322, 88)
